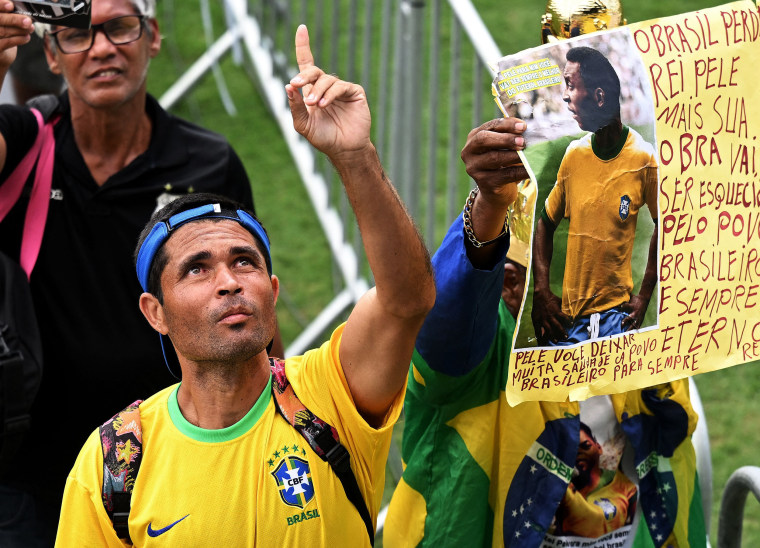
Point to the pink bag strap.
(36, 213)
(11, 189)
(42, 154)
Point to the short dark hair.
(597, 72)
(585, 427)
(184, 203)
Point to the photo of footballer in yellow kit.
(591, 148)
(598, 500)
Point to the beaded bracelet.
(467, 220)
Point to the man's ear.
(51, 54)
(153, 312)
(599, 97)
(155, 37)
(275, 287)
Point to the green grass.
(300, 252)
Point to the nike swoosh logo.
(155, 532)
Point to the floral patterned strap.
(290, 407)
(121, 441)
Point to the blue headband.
(160, 232)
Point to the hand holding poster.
(647, 224)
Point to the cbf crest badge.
(293, 478)
(625, 207)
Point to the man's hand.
(548, 319)
(490, 158)
(15, 30)
(332, 114)
(636, 308)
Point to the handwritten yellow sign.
(700, 95)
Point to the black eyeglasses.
(119, 31)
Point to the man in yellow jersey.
(604, 179)
(220, 466)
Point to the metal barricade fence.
(423, 65)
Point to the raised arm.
(378, 340)
(459, 330)
(15, 30)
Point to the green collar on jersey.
(224, 434)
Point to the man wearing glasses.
(118, 158)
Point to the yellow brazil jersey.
(255, 483)
(601, 199)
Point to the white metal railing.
(742, 482)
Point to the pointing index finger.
(304, 57)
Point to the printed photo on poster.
(591, 149)
(600, 508)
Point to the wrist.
(355, 159)
(484, 224)
(5, 64)
(541, 292)
(500, 198)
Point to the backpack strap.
(121, 441)
(322, 438)
(41, 154)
